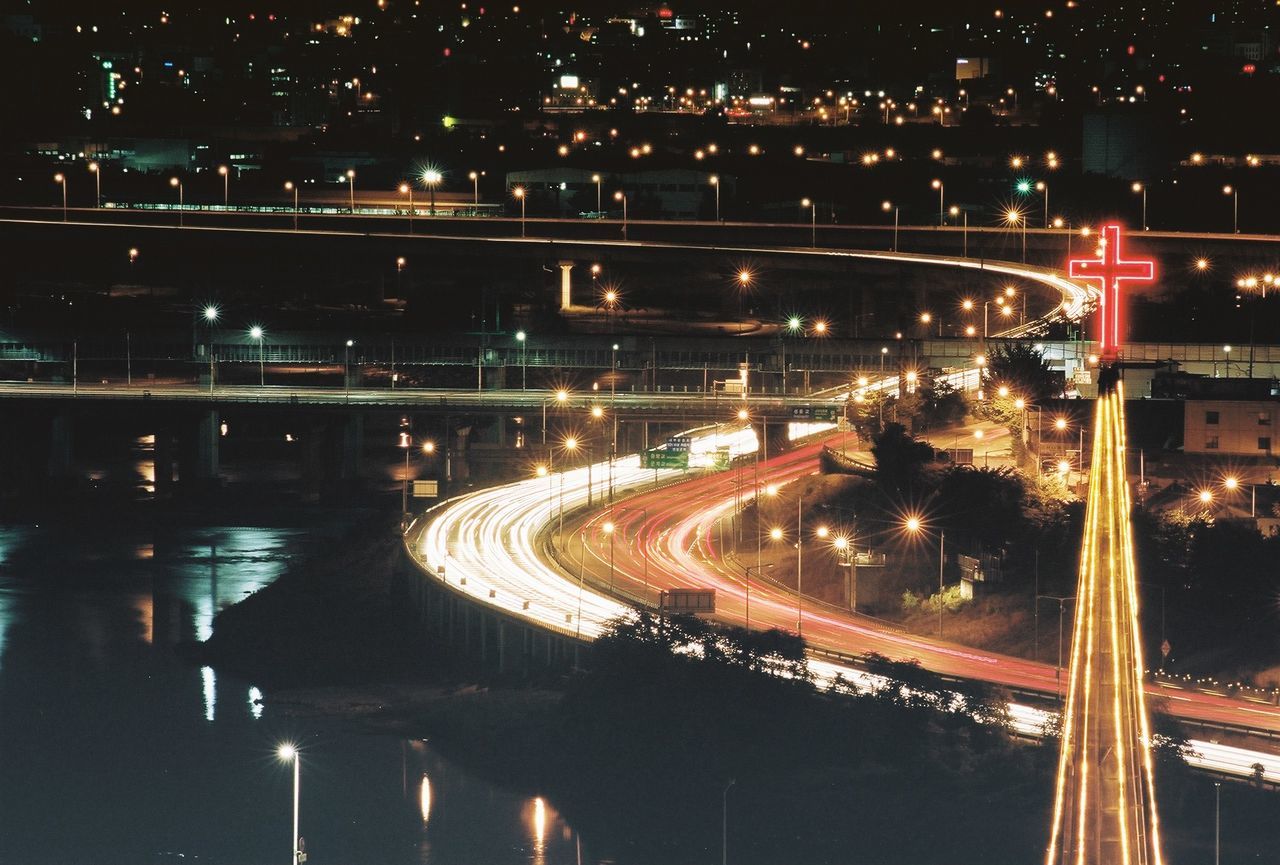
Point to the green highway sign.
(826, 413)
(664, 460)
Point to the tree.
(899, 457)
(1022, 369)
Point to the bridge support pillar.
(352, 446)
(205, 451)
(502, 646)
(566, 285)
(61, 437)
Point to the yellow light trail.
(1104, 810)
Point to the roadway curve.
(666, 539)
(495, 546)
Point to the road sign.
(426, 489)
(688, 601)
(814, 412)
(720, 459)
(659, 459)
(1165, 649)
(679, 443)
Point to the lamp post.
(289, 754)
(408, 188)
(622, 196)
(915, 527)
(561, 396)
(724, 824)
(956, 211)
(256, 332)
(226, 185)
(1140, 188)
(96, 170)
(1217, 822)
(608, 529)
(938, 185)
(886, 206)
(61, 180)
(1234, 192)
(210, 314)
(406, 442)
(597, 180)
(176, 183)
(714, 180)
(813, 220)
(431, 178)
(1014, 217)
(346, 368)
(518, 192)
(290, 187)
(351, 188)
(1062, 605)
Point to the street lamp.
(886, 206)
(431, 178)
(938, 185)
(177, 184)
(1234, 192)
(714, 180)
(290, 187)
(346, 368)
(622, 196)
(956, 211)
(96, 170)
(61, 179)
(521, 336)
(597, 180)
(408, 188)
(1140, 188)
(351, 187)
(560, 397)
(1062, 605)
(1013, 217)
(210, 314)
(474, 177)
(518, 192)
(914, 526)
(813, 210)
(226, 185)
(256, 332)
(289, 754)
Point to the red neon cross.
(1109, 270)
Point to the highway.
(498, 541)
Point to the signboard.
(657, 459)
(814, 412)
(679, 443)
(720, 459)
(688, 601)
(426, 489)
(961, 456)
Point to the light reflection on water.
(93, 697)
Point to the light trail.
(1104, 809)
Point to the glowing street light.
(474, 177)
(256, 332)
(431, 178)
(1013, 217)
(226, 185)
(290, 187)
(351, 187)
(407, 189)
(288, 753)
(1234, 192)
(96, 171)
(176, 183)
(886, 206)
(1141, 188)
(938, 185)
(913, 526)
(619, 195)
(714, 180)
(519, 194)
(813, 211)
(61, 180)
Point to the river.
(114, 751)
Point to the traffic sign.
(426, 489)
(826, 413)
(679, 443)
(660, 459)
(1165, 649)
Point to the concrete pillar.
(566, 285)
(61, 436)
(207, 432)
(502, 646)
(352, 446)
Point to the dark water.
(112, 750)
